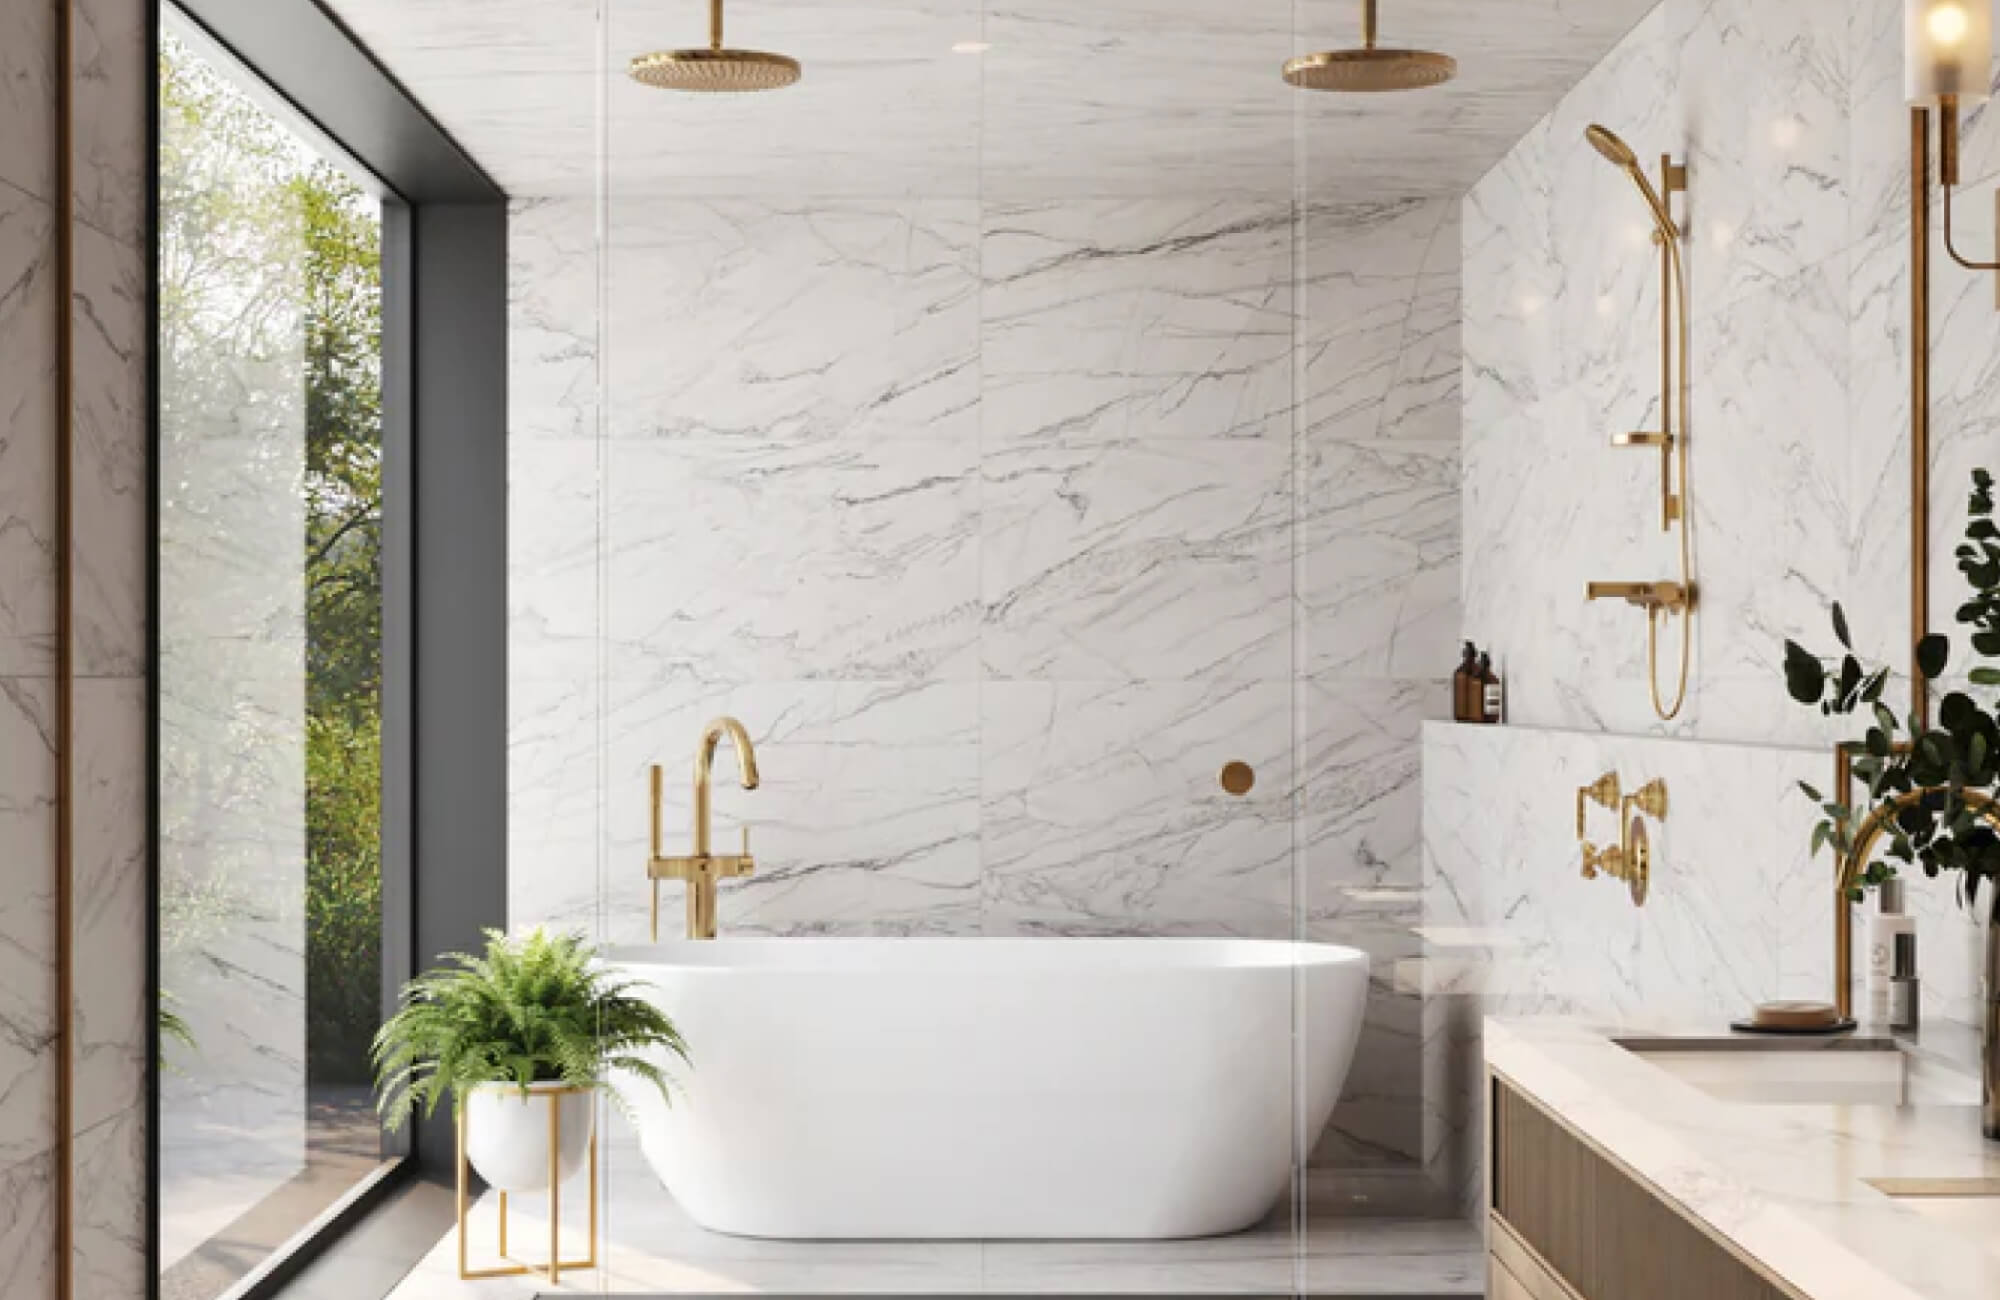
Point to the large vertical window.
(270, 672)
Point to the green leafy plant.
(537, 1009)
(172, 1027)
(1933, 783)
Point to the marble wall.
(107, 745)
(1791, 116)
(1003, 526)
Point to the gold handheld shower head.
(1620, 155)
(715, 70)
(1606, 142)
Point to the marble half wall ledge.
(1740, 911)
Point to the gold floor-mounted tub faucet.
(702, 869)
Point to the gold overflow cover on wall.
(1631, 859)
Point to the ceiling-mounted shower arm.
(715, 24)
(1368, 24)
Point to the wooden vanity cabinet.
(1566, 1221)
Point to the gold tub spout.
(1669, 596)
(702, 868)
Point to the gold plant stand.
(554, 1269)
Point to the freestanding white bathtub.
(994, 1088)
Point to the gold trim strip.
(65, 729)
(1920, 405)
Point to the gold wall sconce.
(1947, 62)
(1631, 858)
(1668, 599)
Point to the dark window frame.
(444, 546)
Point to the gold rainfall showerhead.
(1620, 155)
(1370, 68)
(715, 69)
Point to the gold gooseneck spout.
(704, 765)
(702, 869)
(1662, 600)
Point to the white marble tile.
(1109, 322)
(111, 887)
(737, 560)
(1378, 568)
(769, 323)
(1769, 426)
(111, 544)
(28, 1255)
(28, 92)
(27, 434)
(1102, 813)
(556, 531)
(1379, 320)
(1763, 91)
(1128, 98)
(1510, 282)
(112, 51)
(655, 1248)
(867, 820)
(1144, 561)
(112, 1202)
(27, 918)
(555, 268)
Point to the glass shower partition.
(1022, 430)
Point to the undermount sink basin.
(1806, 1072)
(1969, 1207)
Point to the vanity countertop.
(1787, 1184)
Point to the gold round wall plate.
(1370, 71)
(715, 71)
(1238, 778)
(1639, 878)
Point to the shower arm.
(715, 24)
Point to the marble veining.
(1789, 115)
(1132, 98)
(1003, 526)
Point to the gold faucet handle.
(1650, 799)
(1604, 790)
(728, 867)
(675, 868)
(1607, 861)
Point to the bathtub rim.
(971, 955)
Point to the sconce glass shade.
(1947, 50)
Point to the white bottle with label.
(1888, 921)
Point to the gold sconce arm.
(1948, 179)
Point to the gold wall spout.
(702, 869)
(1669, 596)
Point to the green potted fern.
(534, 1015)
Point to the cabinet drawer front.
(1607, 1235)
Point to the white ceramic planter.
(507, 1133)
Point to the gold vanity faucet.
(702, 869)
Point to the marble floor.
(656, 1249)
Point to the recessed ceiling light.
(971, 47)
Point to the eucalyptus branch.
(1920, 773)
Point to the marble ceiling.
(1102, 97)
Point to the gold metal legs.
(553, 1270)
